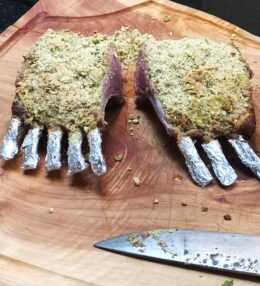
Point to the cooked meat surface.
(64, 84)
(63, 78)
(202, 87)
(198, 88)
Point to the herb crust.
(60, 81)
(203, 86)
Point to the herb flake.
(228, 283)
(166, 18)
(118, 157)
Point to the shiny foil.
(9, 147)
(222, 169)
(76, 160)
(53, 155)
(30, 148)
(96, 158)
(198, 170)
(246, 154)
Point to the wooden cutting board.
(38, 248)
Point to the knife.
(231, 252)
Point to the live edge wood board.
(38, 248)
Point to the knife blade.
(231, 252)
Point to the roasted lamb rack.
(200, 89)
(64, 85)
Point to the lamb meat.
(64, 85)
(200, 89)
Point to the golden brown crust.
(203, 87)
(245, 125)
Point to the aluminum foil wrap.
(9, 147)
(30, 148)
(76, 160)
(246, 154)
(53, 155)
(96, 158)
(224, 172)
(198, 170)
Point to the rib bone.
(198, 170)
(9, 146)
(76, 161)
(222, 169)
(53, 155)
(30, 148)
(246, 154)
(96, 158)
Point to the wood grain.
(37, 247)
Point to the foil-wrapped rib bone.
(30, 147)
(9, 147)
(222, 169)
(96, 158)
(198, 170)
(76, 160)
(246, 154)
(53, 154)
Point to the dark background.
(243, 13)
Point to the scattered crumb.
(129, 169)
(135, 121)
(170, 34)
(204, 209)
(135, 241)
(227, 217)
(156, 201)
(132, 134)
(243, 181)
(177, 178)
(233, 37)
(166, 18)
(118, 157)
(50, 210)
(136, 181)
(184, 204)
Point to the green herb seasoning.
(228, 283)
(166, 18)
(60, 80)
(201, 84)
(118, 157)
